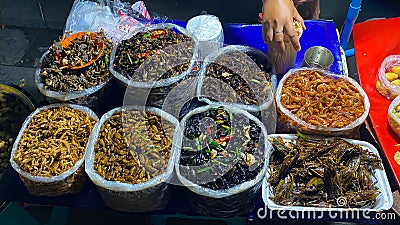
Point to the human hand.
(278, 16)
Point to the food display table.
(321, 33)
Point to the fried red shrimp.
(322, 100)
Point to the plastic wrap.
(208, 30)
(151, 195)
(384, 200)
(154, 89)
(84, 12)
(238, 200)
(70, 181)
(389, 89)
(251, 66)
(393, 115)
(90, 96)
(289, 123)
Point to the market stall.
(233, 139)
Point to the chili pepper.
(223, 139)
(209, 130)
(157, 33)
(143, 55)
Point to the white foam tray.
(384, 199)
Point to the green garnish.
(221, 163)
(256, 81)
(301, 135)
(143, 138)
(148, 152)
(226, 127)
(154, 146)
(216, 145)
(204, 169)
(198, 144)
(230, 115)
(187, 148)
(208, 150)
(106, 60)
(219, 121)
(137, 61)
(237, 151)
(147, 35)
(130, 59)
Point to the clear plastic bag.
(238, 200)
(146, 196)
(153, 90)
(289, 123)
(83, 13)
(70, 181)
(252, 89)
(384, 86)
(394, 115)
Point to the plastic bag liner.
(155, 90)
(289, 123)
(238, 200)
(89, 97)
(71, 181)
(251, 65)
(393, 119)
(151, 195)
(383, 85)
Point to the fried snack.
(322, 100)
(53, 141)
(397, 157)
(133, 147)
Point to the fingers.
(294, 39)
(267, 32)
(279, 37)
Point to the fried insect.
(54, 140)
(13, 112)
(133, 52)
(321, 100)
(316, 173)
(133, 147)
(55, 75)
(218, 153)
(237, 78)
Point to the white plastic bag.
(147, 196)
(234, 201)
(69, 181)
